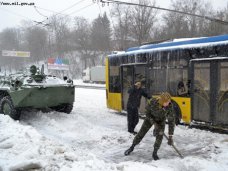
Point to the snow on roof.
(168, 43)
(189, 42)
(49, 81)
(209, 59)
(185, 43)
(118, 52)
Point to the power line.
(60, 12)
(19, 15)
(40, 13)
(72, 6)
(81, 9)
(165, 9)
(46, 9)
(70, 14)
(16, 14)
(57, 13)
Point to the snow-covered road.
(93, 138)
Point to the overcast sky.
(11, 16)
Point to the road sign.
(8, 53)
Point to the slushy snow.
(94, 138)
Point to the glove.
(170, 140)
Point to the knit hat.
(163, 98)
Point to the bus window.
(177, 82)
(114, 79)
(158, 73)
(166, 71)
(177, 75)
(182, 89)
(124, 59)
(141, 58)
(131, 58)
(222, 50)
(114, 75)
(223, 92)
(202, 78)
(157, 81)
(201, 92)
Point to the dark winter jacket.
(159, 114)
(135, 97)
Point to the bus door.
(130, 75)
(201, 91)
(222, 100)
(140, 75)
(127, 82)
(210, 91)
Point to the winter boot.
(128, 151)
(133, 132)
(155, 155)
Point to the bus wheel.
(177, 111)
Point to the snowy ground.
(81, 83)
(93, 138)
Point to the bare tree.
(75, 67)
(101, 33)
(10, 39)
(100, 39)
(134, 24)
(142, 21)
(215, 28)
(122, 39)
(178, 25)
(59, 26)
(36, 43)
(81, 39)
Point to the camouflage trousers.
(147, 124)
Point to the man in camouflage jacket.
(157, 111)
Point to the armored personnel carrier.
(32, 89)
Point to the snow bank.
(80, 82)
(94, 138)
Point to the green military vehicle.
(32, 89)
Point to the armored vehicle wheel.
(66, 108)
(7, 108)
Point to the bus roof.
(186, 43)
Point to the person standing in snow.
(157, 111)
(133, 104)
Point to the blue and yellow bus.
(194, 71)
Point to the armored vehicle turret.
(32, 89)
